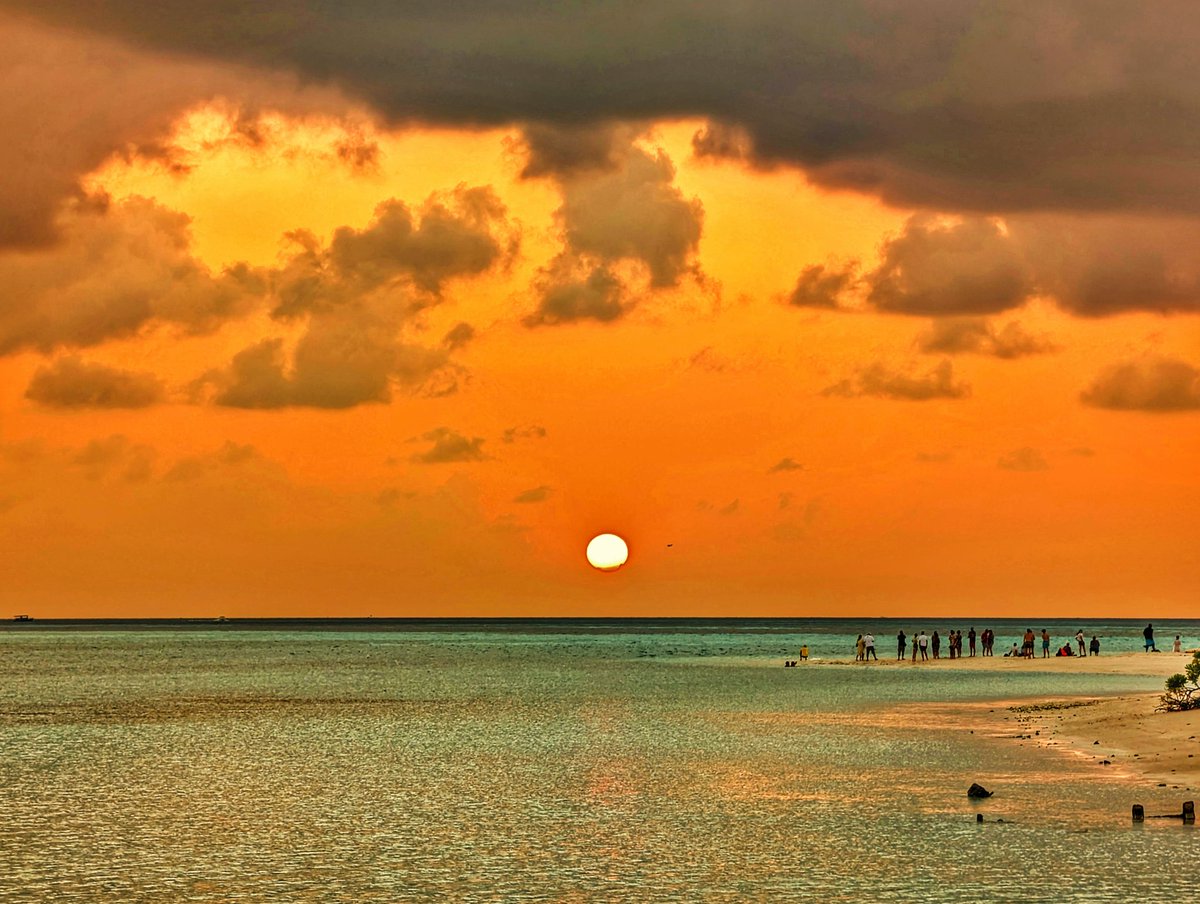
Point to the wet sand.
(1124, 734)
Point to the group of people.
(930, 645)
(925, 645)
(1029, 643)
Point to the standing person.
(859, 649)
(971, 639)
(1079, 640)
(1177, 647)
(1027, 644)
(986, 639)
(1148, 633)
(924, 642)
(869, 644)
(1045, 644)
(937, 645)
(1095, 645)
(901, 640)
(950, 642)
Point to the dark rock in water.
(978, 791)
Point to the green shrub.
(1183, 691)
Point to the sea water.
(550, 761)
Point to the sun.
(607, 552)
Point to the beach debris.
(977, 791)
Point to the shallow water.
(216, 763)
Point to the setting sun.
(607, 552)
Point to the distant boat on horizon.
(22, 618)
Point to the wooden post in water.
(1139, 814)
(1189, 811)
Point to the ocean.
(541, 760)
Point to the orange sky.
(890, 447)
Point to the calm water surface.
(544, 762)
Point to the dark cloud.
(529, 431)
(786, 464)
(346, 357)
(731, 508)
(948, 103)
(73, 383)
(119, 269)
(1103, 265)
(882, 381)
(458, 336)
(1023, 459)
(968, 268)
(1154, 384)
(567, 150)
(537, 494)
(456, 234)
(634, 212)
(819, 286)
(565, 297)
(448, 446)
(69, 102)
(972, 335)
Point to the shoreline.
(1122, 733)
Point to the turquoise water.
(542, 762)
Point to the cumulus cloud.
(346, 357)
(1154, 384)
(969, 267)
(537, 494)
(620, 207)
(973, 335)
(634, 212)
(455, 234)
(73, 383)
(448, 446)
(357, 298)
(565, 296)
(819, 286)
(879, 380)
(119, 269)
(1023, 459)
